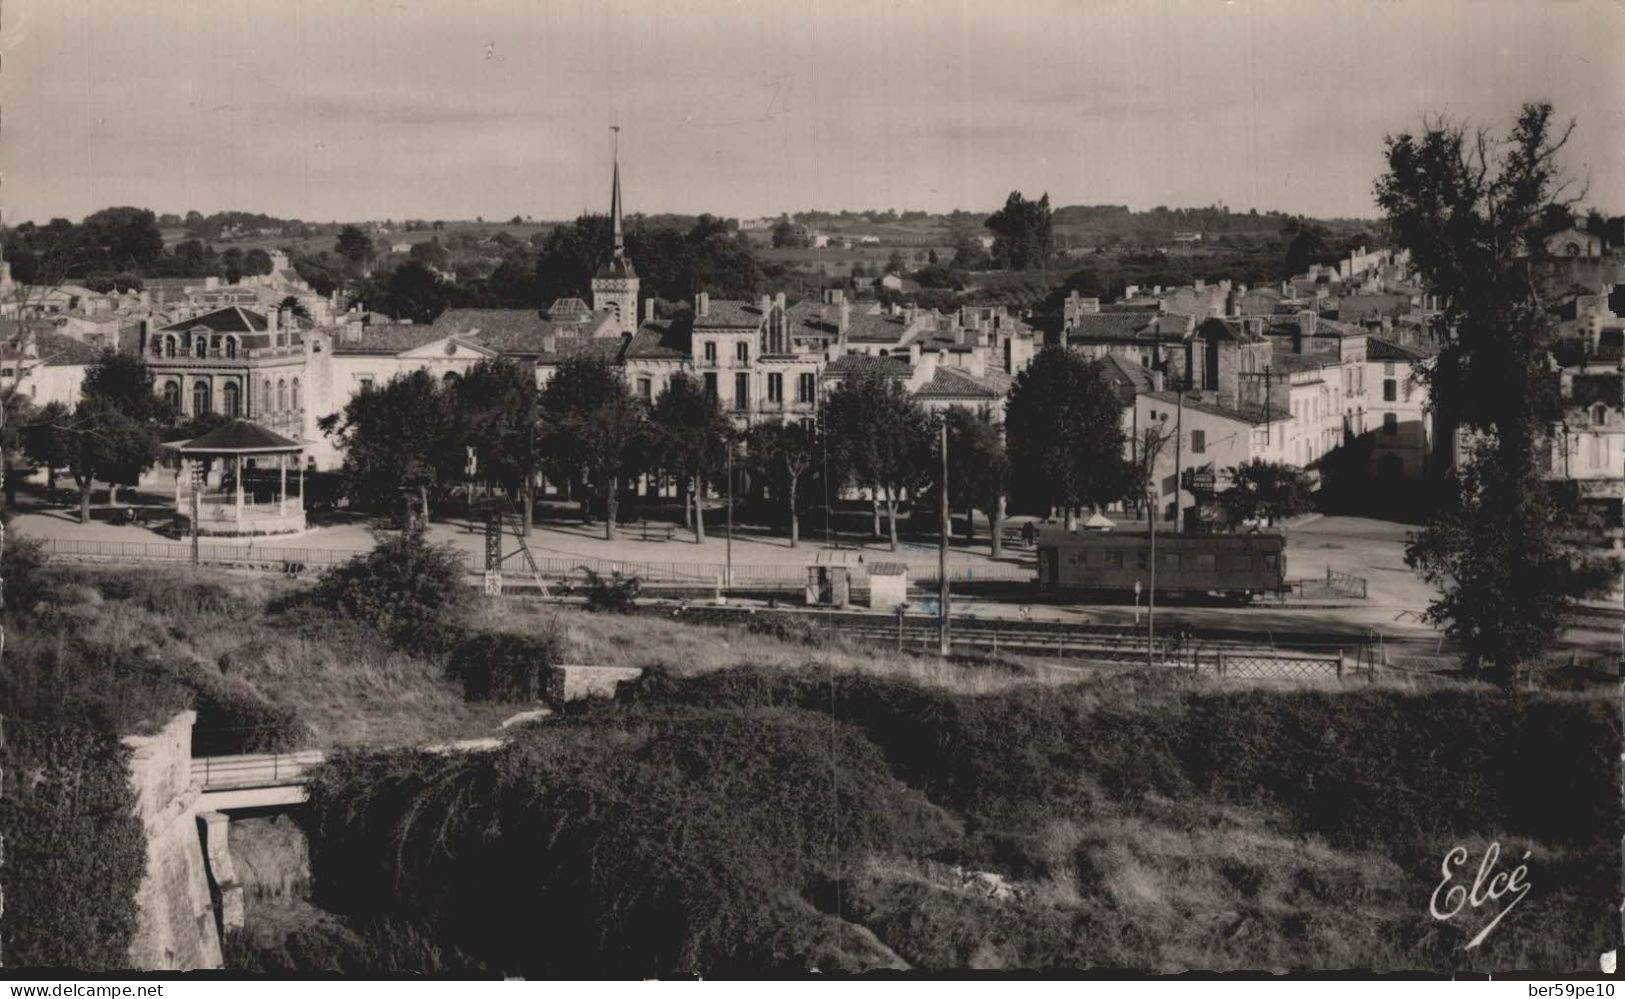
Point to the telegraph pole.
(942, 548)
(1179, 471)
(728, 573)
(1151, 590)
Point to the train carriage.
(1110, 563)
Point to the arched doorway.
(172, 394)
(201, 398)
(231, 400)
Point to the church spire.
(615, 197)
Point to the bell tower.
(615, 286)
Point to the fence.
(279, 558)
(1336, 584)
(1230, 664)
(263, 770)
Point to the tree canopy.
(1022, 232)
(884, 439)
(1465, 202)
(399, 439)
(690, 437)
(595, 431)
(1064, 425)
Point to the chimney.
(1307, 320)
(649, 310)
(778, 300)
(914, 352)
(702, 304)
(843, 317)
(145, 336)
(766, 304)
(273, 321)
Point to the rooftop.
(231, 319)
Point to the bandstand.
(219, 482)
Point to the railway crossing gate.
(498, 516)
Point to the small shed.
(829, 579)
(888, 585)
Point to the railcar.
(1111, 563)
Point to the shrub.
(23, 568)
(233, 717)
(404, 586)
(616, 595)
(75, 850)
(789, 628)
(499, 666)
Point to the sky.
(370, 109)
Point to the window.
(169, 346)
(646, 388)
(281, 395)
(1388, 368)
(172, 394)
(231, 346)
(741, 391)
(710, 382)
(1206, 562)
(710, 352)
(200, 346)
(366, 385)
(1171, 560)
(1390, 424)
(294, 385)
(200, 398)
(1142, 560)
(1244, 563)
(265, 395)
(230, 400)
(804, 387)
(1198, 442)
(1390, 390)
(742, 352)
(1072, 558)
(1599, 415)
(1114, 560)
(775, 388)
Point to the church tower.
(615, 286)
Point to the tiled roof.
(1112, 326)
(1379, 349)
(1129, 378)
(54, 349)
(1251, 415)
(390, 338)
(660, 340)
(952, 383)
(879, 328)
(566, 309)
(238, 436)
(607, 348)
(520, 331)
(1291, 363)
(1238, 328)
(231, 319)
(729, 313)
(851, 364)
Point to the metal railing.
(262, 770)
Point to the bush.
(23, 568)
(404, 587)
(616, 595)
(499, 666)
(233, 717)
(790, 628)
(75, 851)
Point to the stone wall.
(176, 929)
(572, 683)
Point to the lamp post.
(728, 571)
(942, 548)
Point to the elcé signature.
(1488, 886)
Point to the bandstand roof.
(237, 437)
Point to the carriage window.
(1244, 562)
(1142, 560)
(1170, 560)
(1114, 560)
(1206, 563)
(1270, 561)
(1071, 558)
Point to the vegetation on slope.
(758, 819)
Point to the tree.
(125, 381)
(782, 452)
(122, 238)
(884, 438)
(499, 414)
(1264, 491)
(788, 234)
(44, 443)
(595, 430)
(353, 245)
(1022, 233)
(256, 261)
(895, 263)
(1063, 423)
(399, 441)
(978, 470)
(1309, 246)
(1464, 202)
(690, 439)
(104, 442)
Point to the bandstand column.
(282, 486)
(239, 489)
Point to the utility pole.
(196, 511)
(1151, 590)
(942, 548)
(1179, 471)
(728, 573)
